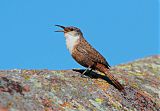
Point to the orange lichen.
(26, 88)
(102, 85)
(47, 102)
(65, 104)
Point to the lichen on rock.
(47, 90)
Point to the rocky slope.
(49, 90)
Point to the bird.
(85, 54)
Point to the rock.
(66, 90)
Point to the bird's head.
(72, 31)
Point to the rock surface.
(67, 90)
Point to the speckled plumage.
(85, 54)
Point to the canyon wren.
(85, 54)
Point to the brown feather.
(86, 53)
(102, 68)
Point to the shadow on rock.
(94, 75)
(130, 97)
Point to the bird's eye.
(71, 29)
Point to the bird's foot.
(84, 76)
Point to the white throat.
(71, 41)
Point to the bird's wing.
(91, 53)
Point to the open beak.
(60, 27)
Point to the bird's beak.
(60, 27)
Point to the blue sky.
(121, 30)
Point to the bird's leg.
(88, 69)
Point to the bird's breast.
(71, 41)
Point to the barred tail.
(105, 70)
